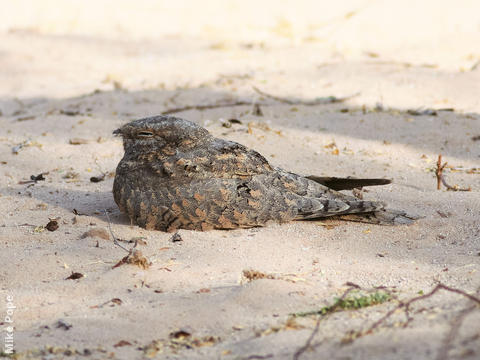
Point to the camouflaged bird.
(176, 175)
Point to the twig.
(318, 101)
(439, 171)
(454, 188)
(115, 241)
(406, 305)
(441, 178)
(258, 357)
(205, 107)
(308, 343)
(452, 334)
(353, 335)
(471, 170)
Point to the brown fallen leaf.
(25, 118)
(96, 179)
(52, 225)
(290, 324)
(203, 291)
(38, 177)
(179, 334)
(443, 214)
(69, 112)
(251, 275)
(135, 257)
(75, 276)
(122, 343)
(78, 141)
(116, 301)
(204, 341)
(229, 122)
(96, 232)
(326, 225)
(62, 324)
(34, 179)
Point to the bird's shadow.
(75, 201)
(202, 104)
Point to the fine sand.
(72, 72)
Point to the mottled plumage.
(174, 174)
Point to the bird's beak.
(117, 132)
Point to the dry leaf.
(122, 343)
(75, 276)
(52, 225)
(134, 258)
(78, 141)
(251, 275)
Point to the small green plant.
(7, 355)
(350, 303)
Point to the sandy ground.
(81, 69)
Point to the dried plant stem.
(441, 178)
(115, 241)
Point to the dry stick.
(308, 343)
(115, 241)
(452, 334)
(407, 304)
(454, 188)
(439, 171)
(205, 107)
(259, 357)
(441, 177)
(449, 339)
(466, 170)
(319, 101)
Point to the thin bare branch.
(317, 101)
(308, 343)
(208, 106)
(115, 241)
(441, 177)
(452, 334)
(406, 305)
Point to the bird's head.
(161, 134)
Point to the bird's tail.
(382, 217)
(348, 183)
(315, 208)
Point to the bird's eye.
(145, 133)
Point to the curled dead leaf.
(135, 257)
